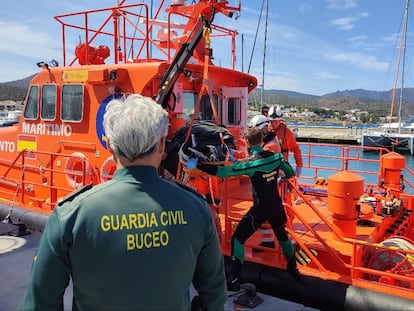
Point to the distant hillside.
(382, 96)
(20, 84)
(15, 90)
(11, 93)
(339, 100)
(386, 96)
(290, 94)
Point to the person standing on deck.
(269, 137)
(271, 143)
(286, 138)
(265, 111)
(287, 141)
(136, 242)
(262, 167)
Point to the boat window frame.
(48, 104)
(233, 110)
(189, 101)
(32, 103)
(205, 112)
(64, 102)
(235, 106)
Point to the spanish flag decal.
(28, 142)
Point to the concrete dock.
(325, 134)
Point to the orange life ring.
(74, 169)
(108, 169)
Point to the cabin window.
(206, 111)
(48, 109)
(72, 102)
(233, 111)
(189, 100)
(31, 108)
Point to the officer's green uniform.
(133, 243)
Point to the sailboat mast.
(264, 56)
(404, 45)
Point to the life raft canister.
(76, 164)
(108, 169)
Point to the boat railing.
(402, 275)
(323, 160)
(358, 259)
(43, 189)
(130, 30)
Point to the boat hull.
(317, 292)
(398, 142)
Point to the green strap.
(238, 250)
(287, 249)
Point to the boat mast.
(404, 45)
(264, 57)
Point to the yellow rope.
(206, 35)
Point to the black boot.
(292, 268)
(233, 280)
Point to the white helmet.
(259, 121)
(275, 113)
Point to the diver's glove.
(298, 171)
(191, 164)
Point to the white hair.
(134, 126)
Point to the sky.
(312, 46)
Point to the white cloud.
(24, 41)
(364, 61)
(344, 23)
(358, 38)
(340, 4)
(392, 38)
(326, 75)
(347, 23)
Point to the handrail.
(138, 42)
(353, 266)
(355, 159)
(45, 183)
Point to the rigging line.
(403, 67)
(264, 55)
(133, 35)
(402, 50)
(255, 37)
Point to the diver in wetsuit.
(263, 169)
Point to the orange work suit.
(287, 141)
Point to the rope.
(206, 35)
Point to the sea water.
(322, 161)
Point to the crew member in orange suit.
(286, 138)
(270, 140)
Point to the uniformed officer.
(136, 242)
(263, 170)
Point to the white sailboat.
(398, 136)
